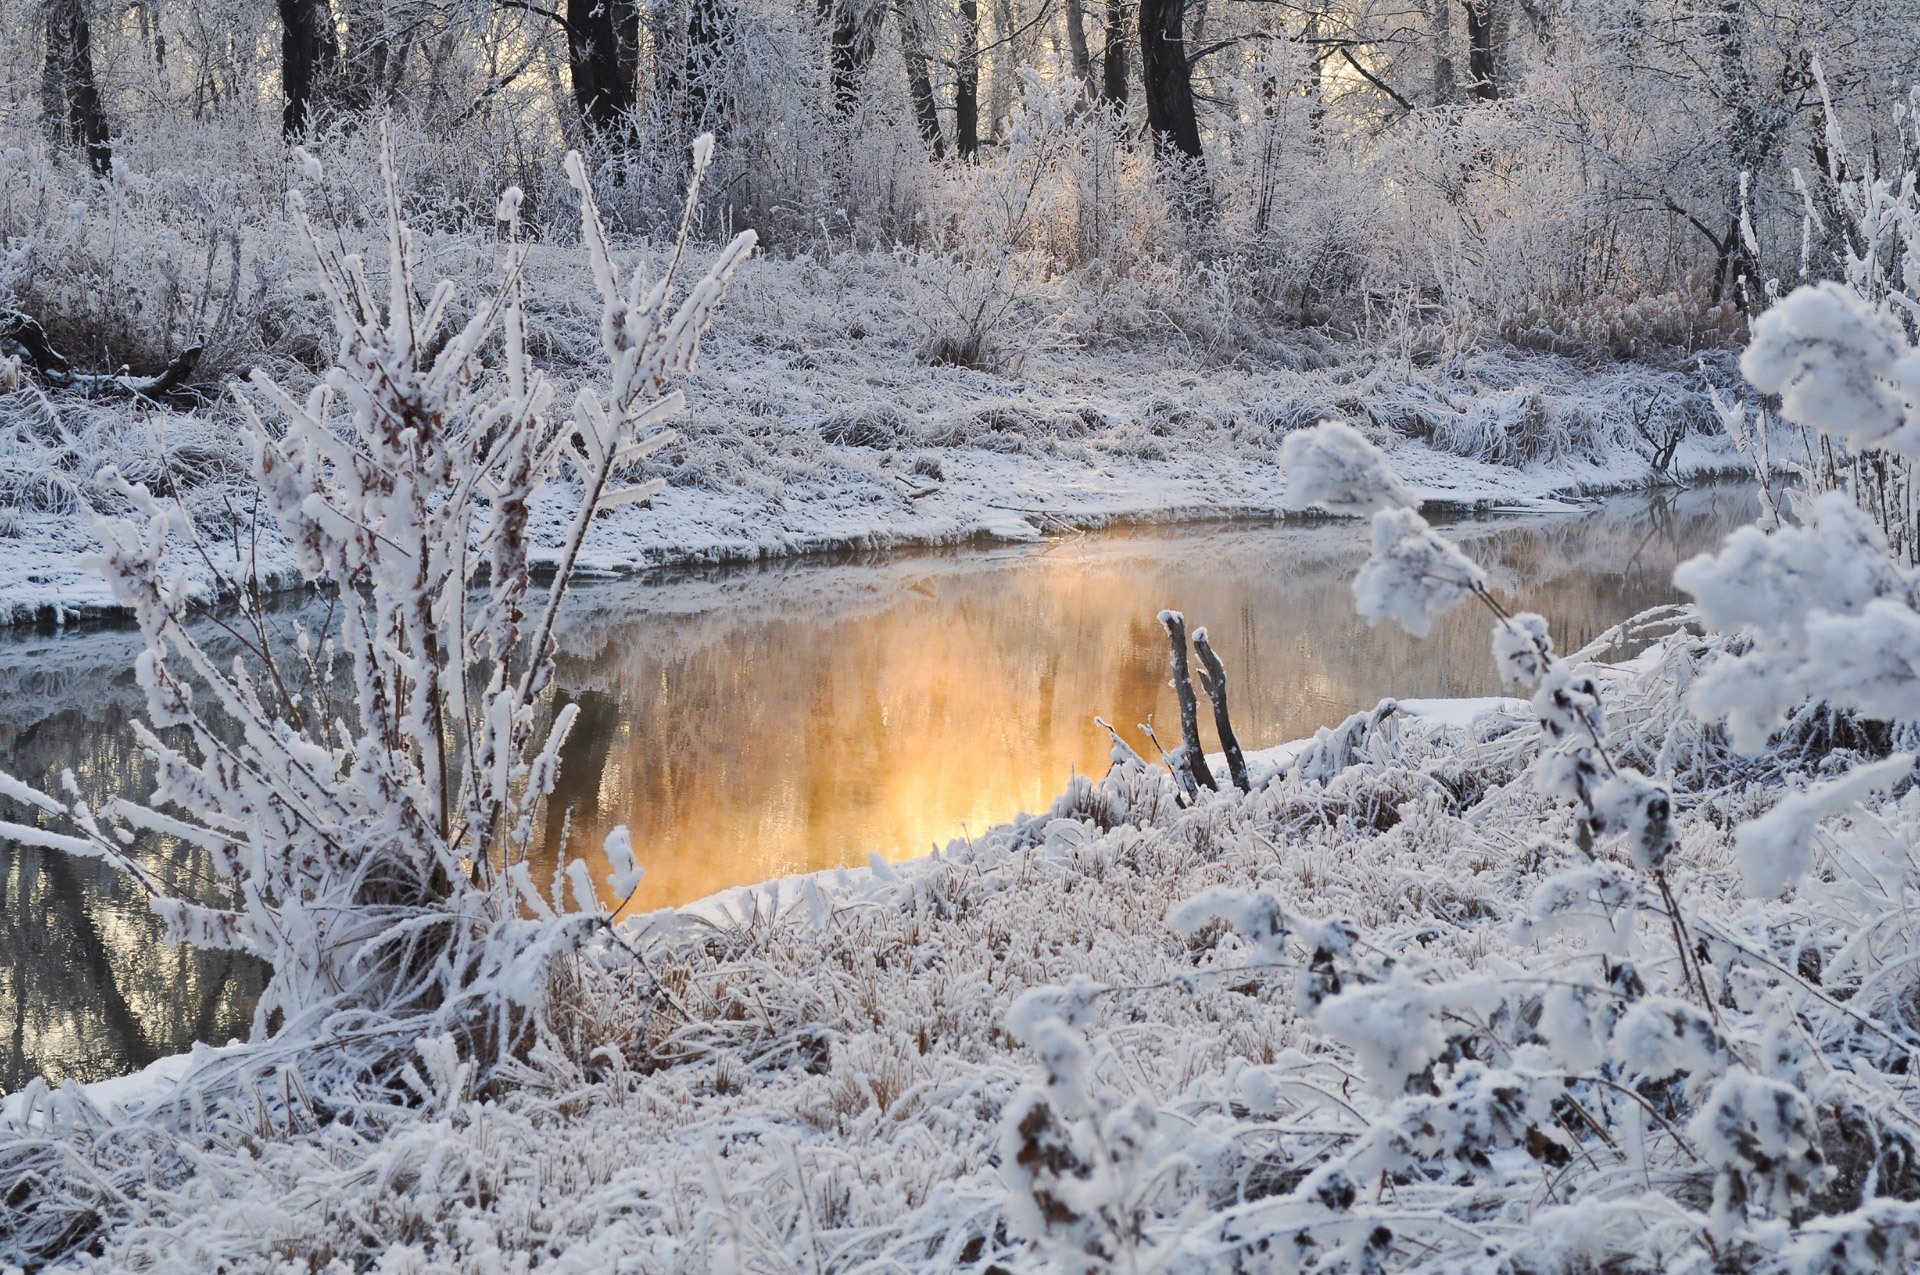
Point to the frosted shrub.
(1085, 1164)
(369, 799)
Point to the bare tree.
(913, 51)
(708, 24)
(373, 58)
(69, 94)
(966, 84)
(1077, 49)
(1445, 82)
(849, 49)
(1482, 75)
(309, 58)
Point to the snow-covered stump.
(1213, 678)
(1190, 756)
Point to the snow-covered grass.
(828, 429)
(828, 1079)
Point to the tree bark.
(1192, 756)
(706, 33)
(1753, 132)
(1213, 678)
(57, 370)
(966, 84)
(1445, 83)
(1113, 60)
(603, 57)
(1165, 77)
(368, 59)
(1077, 49)
(69, 94)
(1481, 70)
(309, 56)
(913, 50)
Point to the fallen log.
(54, 368)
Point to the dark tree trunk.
(850, 48)
(69, 95)
(913, 50)
(1213, 679)
(1113, 62)
(603, 59)
(309, 57)
(1480, 65)
(1754, 132)
(1445, 86)
(1164, 75)
(966, 84)
(1191, 756)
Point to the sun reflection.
(780, 718)
(784, 731)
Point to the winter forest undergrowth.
(431, 308)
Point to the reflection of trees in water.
(90, 990)
(765, 719)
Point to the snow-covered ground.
(945, 455)
(854, 1071)
(815, 422)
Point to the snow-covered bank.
(873, 452)
(832, 1075)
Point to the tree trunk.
(69, 95)
(850, 48)
(1113, 61)
(1164, 75)
(913, 50)
(1213, 678)
(603, 56)
(1445, 82)
(1752, 134)
(1077, 49)
(309, 56)
(1480, 66)
(966, 84)
(1191, 756)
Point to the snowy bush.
(369, 801)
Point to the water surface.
(750, 722)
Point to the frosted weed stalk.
(368, 801)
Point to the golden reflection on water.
(753, 722)
(788, 718)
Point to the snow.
(860, 448)
(1449, 987)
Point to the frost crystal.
(1776, 849)
(1838, 365)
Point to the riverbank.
(759, 720)
(1075, 1034)
(865, 452)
